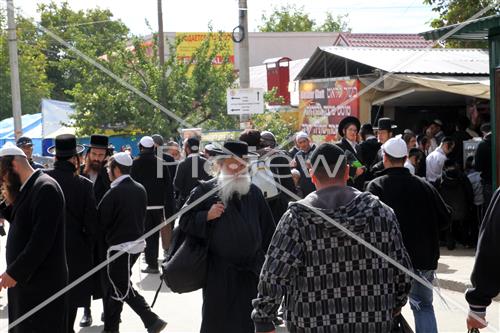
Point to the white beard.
(233, 184)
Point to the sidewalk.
(454, 269)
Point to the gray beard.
(231, 185)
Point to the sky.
(364, 16)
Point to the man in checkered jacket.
(330, 282)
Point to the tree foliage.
(194, 91)
(34, 84)
(291, 18)
(92, 31)
(457, 11)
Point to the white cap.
(396, 147)
(147, 142)
(10, 149)
(301, 135)
(123, 158)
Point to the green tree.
(32, 64)
(194, 91)
(291, 18)
(93, 31)
(333, 24)
(457, 11)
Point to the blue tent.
(31, 126)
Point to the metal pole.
(244, 58)
(161, 38)
(14, 70)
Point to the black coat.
(172, 165)
(352, 157)
(483, 159)
(305, 182)
(238, 241)
(485, 276)
(420, 210)
(367, 151)
(36, 255)
(81, 224)
(159, 190)
(101, 184)
(122, 213)
(184, 181)
(456, 190)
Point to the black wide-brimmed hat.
(237, 148)
(65, 146)
(98, 141)
(385, 124)
(346, 121)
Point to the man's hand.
(215, 211)
(6, 281)
(360, 171)
(472, 322)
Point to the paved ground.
(183, 312)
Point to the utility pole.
(244, 58)
(161, 39)
(14, 70)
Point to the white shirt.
(118, 180)
(434, 164)
(410, 167)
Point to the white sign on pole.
(245, 101)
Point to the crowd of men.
(285, 231)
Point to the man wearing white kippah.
(36, 254)
(121, 214)
(421, 213)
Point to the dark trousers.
(153, 219)
(119, 272)
(71, 318)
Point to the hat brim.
(386, 129)
(54, 152)
(348, 120)
(96, 146)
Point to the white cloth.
(434, 164)
(410, 167)
(118, 180)
(133, 247)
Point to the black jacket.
(81, 220)
(305, 182)
(483, 159)
(456, 190)
(159, 190)
(367, 151)
(485, 276)
(101, 184)
(172, 165)
(122, 212)
(352, 156)
(184, 181)
(36, 255)
(420, 210)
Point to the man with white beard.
(238, 225)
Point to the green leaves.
(291, 18)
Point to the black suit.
(36, 255)
(352, 157)
(160, 193)
(121, 214)
(101, 184)
(367, 151)
(81, 219)
(185, 180)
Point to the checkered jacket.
(329, 282)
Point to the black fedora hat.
(65, 146)
(237, 148)
(346, 121)
(98, 141)
(385, 124)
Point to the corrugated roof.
(382, 40)
(336, 61)
(471, 30)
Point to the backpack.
(263, 178)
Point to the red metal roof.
(382, 40)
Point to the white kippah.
(123, 159)
(147, 142)
(10, 149)
(301, 135)
(396, 147)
